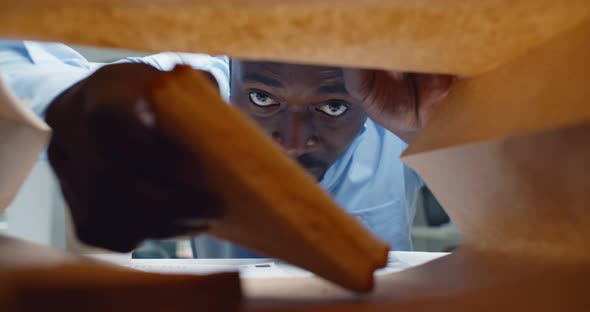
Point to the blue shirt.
(369, 180)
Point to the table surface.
(251, 268)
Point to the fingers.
(399, 101)
(146, 154)
(120, 209)
(387, 97)
(432, 89)
(379, 89)
(123, 178)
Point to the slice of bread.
(271, 205)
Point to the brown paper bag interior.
(454, 36)
(507, 155)
(513, 146)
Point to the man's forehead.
(281, 69)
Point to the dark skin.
(126, 181)
(306, 109)
(123, 179)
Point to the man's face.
(306, 109)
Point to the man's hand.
(124, 180)
(400, 102)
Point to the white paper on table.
(248, 268)
(23, 136)
(394, 264)
(256, 268)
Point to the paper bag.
(23, 136)
(453, 36)
(508, 153)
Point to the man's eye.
(261, 99)
(334, 109)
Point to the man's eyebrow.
(256, 77)
(333, 89)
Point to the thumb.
(432, 89)
(369, 85)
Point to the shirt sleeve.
(38, 72)
(218, 66)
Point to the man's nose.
(297, 135)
